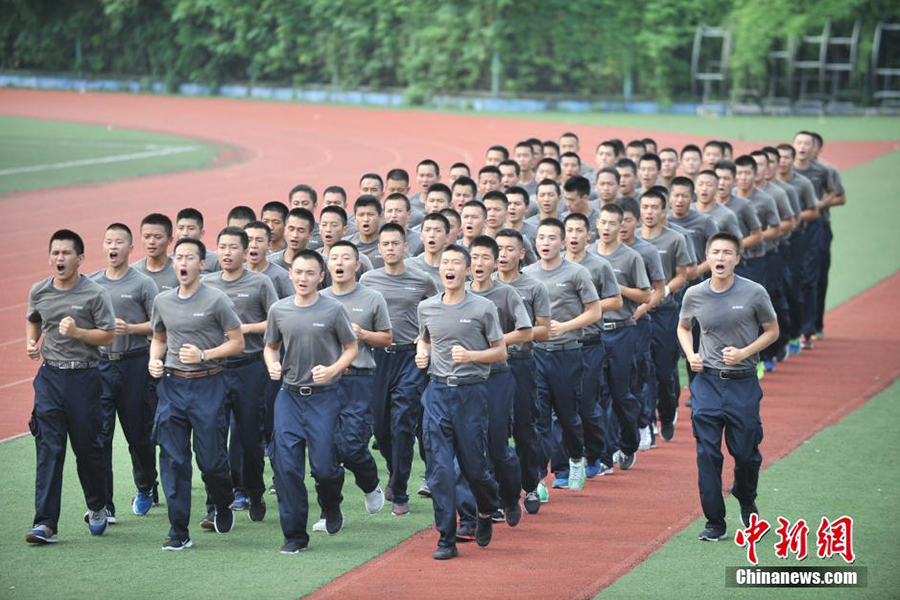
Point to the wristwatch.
(203, 356)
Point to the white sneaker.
(646, 439)
(617, 456)
(375, 500)
(576, 475)
(320, 526)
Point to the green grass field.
(850, 468)
(39, 153)
(818, 478)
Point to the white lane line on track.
(15, 383)
(99, 161)
(11, 342)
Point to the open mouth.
(60, 268)
(339, 272)
(719, 268)
(182, 272)
(253, 254)
(450, 276)
(113, 255)
(479, 273)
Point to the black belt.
(730, 373)
(243, 360)
(457, 381)
(308, 390)
(499, 368)
(519, 354)
(614, 325)
(116, 356)
(594, 340)
(397, 348)
(69, 365)
(355, 371)
(558, 346)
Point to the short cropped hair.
(238, 233)
(158, 219)
(67, 235)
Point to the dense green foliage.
(584, 48)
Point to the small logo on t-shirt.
(129, 296)
(199, 314)
(737, 307)
(465, 320)
(77, 306)
(241, 295)
(562, 285)
(663, 251)
(409, 288)
(318, 324)
(357, 310)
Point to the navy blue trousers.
(246, 386)
(593, 421)
(306, 423)
(775, 287)
(621, 372)
(396, 403)
(355, 430)
(66, 405)
(191, 406)
(126, 392)
(664, 348)
(793, 283)
(644, 372)
(755, 269)
(525, 435)
(811, 275)
(731, 406)
(559, 381)
(824, 267)
(454, 424)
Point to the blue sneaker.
(794, 346)
(769, 365)
(41, 535)
(592, 468)
(241, 502)
(97, 522)
(561, 483)
(142, 503)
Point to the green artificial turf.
(736, 128)
(26, 143)
(128, 562)
(850, 468)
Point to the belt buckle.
(305, 390)
(722, 373)
(609, 327)
(114, 356)
(453, 381)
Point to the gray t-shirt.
(251, 294)
(201, 320)
(729, 318)
(402, 293)
(277, 258)
(414, 245)
(536, 300)
(370, 249)
(767, 211)
(132, 297)
(570, 288)
(793, 199)
(806, 193)
(745, 213)
(418, 262)
(652, 262)
(689, 244)
(725, 220)
(672, 248)
(604, 279)
(367, 309)
(281, 279)
(165, 279)
(820, 177)
(629, 270)
(510, 310)
(472, 324)
(88, 303)
(310, 335)
(212, 263)
(700, 228)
